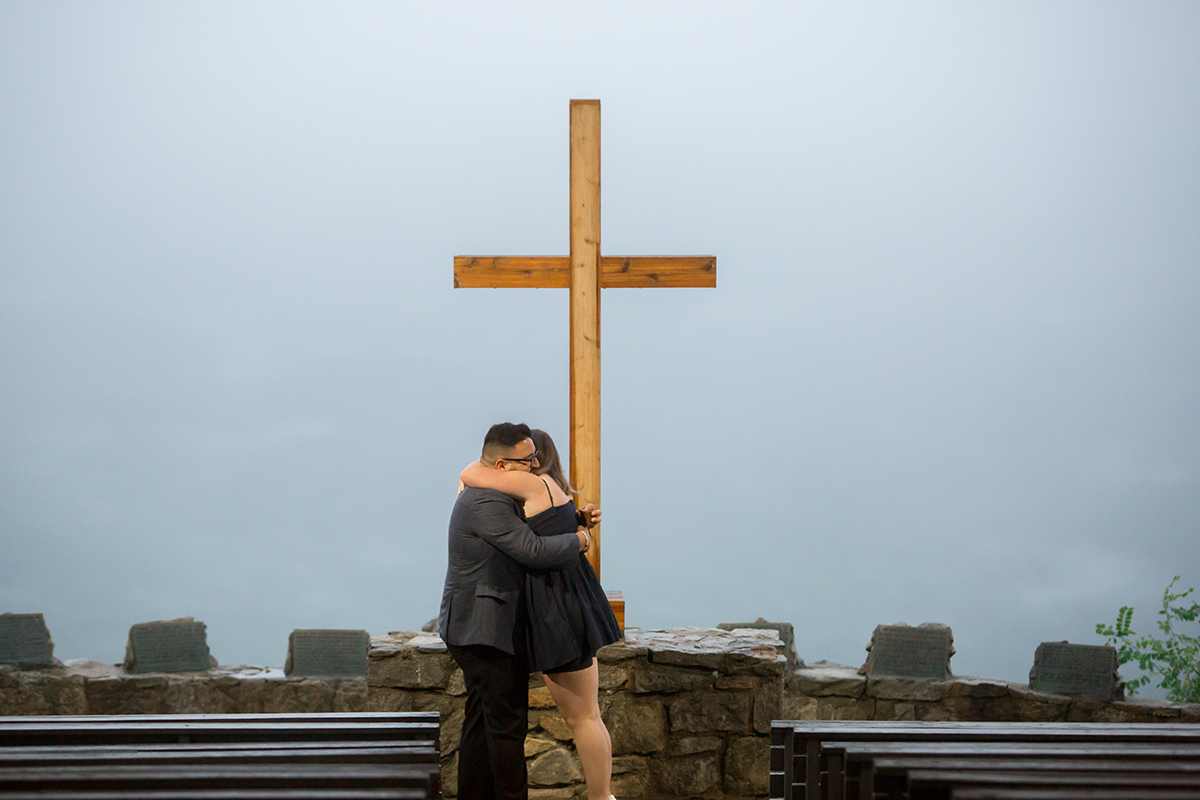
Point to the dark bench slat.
(303, 752)
(1073, 793)
(852, 764)
(796, 765)
(938, 784)
(224, 731)
(317, 717)
(227, 794)
(233, 776)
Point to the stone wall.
(689, 710)
(835, 691)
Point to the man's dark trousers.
(491, 751)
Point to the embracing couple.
(521, 597)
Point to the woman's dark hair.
(501, 438)
(549, 463)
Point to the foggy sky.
(950, 371)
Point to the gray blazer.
(490, 549)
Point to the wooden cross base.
(616, 601)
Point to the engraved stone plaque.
(1080, 670)
(327, 653)
(900, 651)
(177, 645)
(25, 640)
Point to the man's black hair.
(502, 437)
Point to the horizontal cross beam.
(554, 272)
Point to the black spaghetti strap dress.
(569, 615)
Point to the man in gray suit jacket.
(482, 618)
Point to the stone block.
(750, 682)
(636, 724)
(450, 775)
(622, 765)
(907, 689)
(747, 766)
(688, 776)
(768, 704)
(444, 704)
(702, 712)
(66, 694)
(451, 731)
(387, 699)
(690, 745)
(535, 746)
(630, 776)
(556, 726)
(622, 650)
(645, 678)
(1031, 706)
(613, 676)
(826, 680)
(631, 784)
(539, 696)
(409, 669)
(977, 687)
(787, 636)
(350, 696)
(127, 696)
(827, 708)
(895, 710)
(553, 793)
(556, 767)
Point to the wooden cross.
(585, 272)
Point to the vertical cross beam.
(585, 308)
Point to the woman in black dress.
(569, 616)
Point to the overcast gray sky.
(950, 371)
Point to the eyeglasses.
(527, 460)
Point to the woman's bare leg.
(577, 696)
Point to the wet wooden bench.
(213, 756)
(804, 765)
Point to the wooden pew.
(797, 765)
(854, 770)
(214, 728)
(928, 777)
(220, 757)
(1072, 793)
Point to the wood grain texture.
(585, 309)
(554, 272)
(647, 272)
(512, 272)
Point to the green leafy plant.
(1175, 658)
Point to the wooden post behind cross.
(585, 271)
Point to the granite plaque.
(25, 640)
(787, 635)
(1079, 670)
(177, 645)
(901, 651)
(325, 653)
